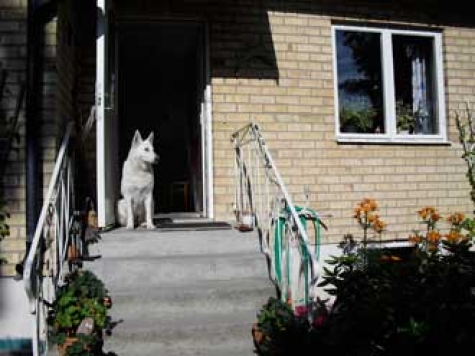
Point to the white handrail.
(246, 136)
(32, 272)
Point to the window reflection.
(360, 82)
(414, 84)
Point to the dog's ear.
(150, 137)
(137, 138)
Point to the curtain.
(420, 95)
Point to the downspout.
(31, 129)
(38, 14)
(31, 126)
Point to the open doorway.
(160, 86)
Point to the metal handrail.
(276, 219)
(44, 269)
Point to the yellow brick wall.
(12, 58)
(296, 113)
(292, 100)
(13, 27)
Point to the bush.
(418, 301)
(284, 333)
(82, 301)
(385, 305)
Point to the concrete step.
(188, 321)
(140, 272)
(182, 345)
(196, 327)
(213, 296)
(142, 243)
(183, 293)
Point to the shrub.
(419, 301)
(284, 333)
(83, 299)
(386, 305)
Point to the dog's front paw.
(129, 227)
(148, 225)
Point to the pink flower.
(319, 320)
(301, 310)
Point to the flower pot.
(93, 347)
(245, 221)
(349, 128)
(257, 335)
(63, 348)
(73, 253)
(248, 219)
(107, 301)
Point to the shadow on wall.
(239, 32)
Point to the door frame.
(106, 157)
(205, 118)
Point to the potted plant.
(278, 331)
(79, 315)
(356, 119)
(405, 118)
(245, 220)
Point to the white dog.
(137, 183)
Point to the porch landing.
(181, 292)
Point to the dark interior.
(160, 88)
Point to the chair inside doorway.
(180, 195)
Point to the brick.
(296, 113)
(10, 4)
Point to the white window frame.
(390, 136)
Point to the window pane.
(359, 82)
(414, 84)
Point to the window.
(389, 85)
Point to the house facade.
(194, 72)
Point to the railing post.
(286, 222)
(33, 267)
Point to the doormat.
(191, 226)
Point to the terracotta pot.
(73, 252)
(257, 335)
(62, 348)
(245, 221)
(70, 340)
(107, 301)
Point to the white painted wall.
(326, 251)
(15, 319)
